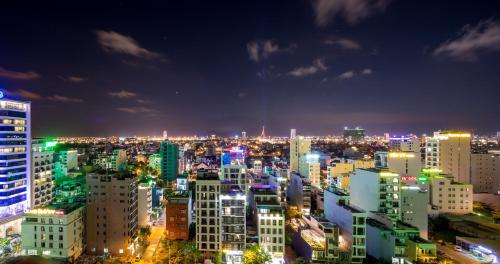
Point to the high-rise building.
(236, 174)
(449, 152)
(165, 135)
(232, 222)
(244, 135)
(299, 146)
(178, 215)
(485, 172)
(293, 133)
(310, 168)
(112, 214)
(54, 231)
(144, 204)
(414, 207)
(169, 161)
(356, 134)
(42, 178)
(15, 170)
(351, 221)
(376, 190)
(208, 189)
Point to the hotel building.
(15, 163)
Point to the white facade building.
(42, 181)
(453, 198)
(55, 231)
(144, 204)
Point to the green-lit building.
(169, 153)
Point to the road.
(457, 256)
(154, 240)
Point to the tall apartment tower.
(208, 190)
(232, 222)
(449, 152)
(42, 177)
(112, 214)
(299, 146)
(15, 168)
(169, 153)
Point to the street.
(456, 256)
(154, 240)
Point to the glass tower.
(15, 157)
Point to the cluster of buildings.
(340, 210)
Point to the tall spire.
(263, 133)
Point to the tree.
(144, 233)
(256, 255)
(178, 252)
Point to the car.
(458, 248)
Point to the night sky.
(124, 68)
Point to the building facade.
(178, 215)
(15, 163)
(449, 152)
(485, 172)
(169, 153)
(112, 214)
(299, 146)
(54, 231)
(42, 178)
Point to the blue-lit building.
(15, 163)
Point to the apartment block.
(112, 214)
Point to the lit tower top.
(165, 134)
(263, 133)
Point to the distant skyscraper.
(15, 152)
(498, 135)
(165, 135)
(169, 153)
(244, 135)
(356, 134)
(450, 153)
(293, 133)
(299, 146)
(263, 133)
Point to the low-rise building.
(451, 197)
(54, 231)
(178, 215)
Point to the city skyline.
(126, 68)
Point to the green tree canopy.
(256, 255)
